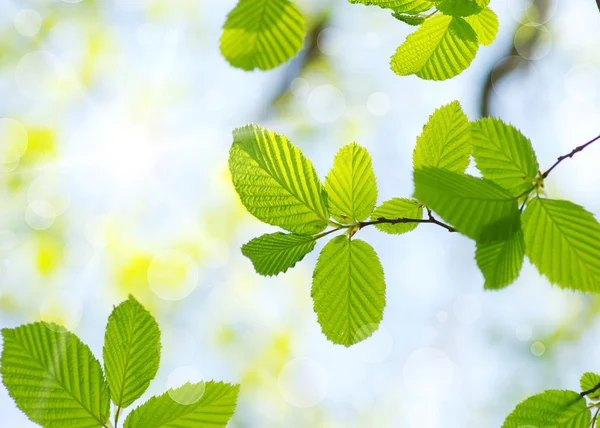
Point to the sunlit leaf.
(588, 382)
(277, 252)
(262, 34)
(348, 290)
(445, 141)
(485, 24)
(200, 405)
(439, 49)
(504, 155)
(394, 209)
(53, 377)
(551, 409)
(476, 207)
(461, 7)
(131, 352)
(500, 262)
(399, 6)
(350, 185)
(275, 182)
(562, 240)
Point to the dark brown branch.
(570, 155)
(590, 391)
(431, 219)
(595, 414)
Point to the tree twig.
(595, 414)
(430, 219)
(570, 155)
(590, 391)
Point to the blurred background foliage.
(115, 126)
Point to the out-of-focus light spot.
(523, 12)
(523, 333)
(376, 348)
(61, 310)
(541, 49)
(424, 414)
(173, 275)
(13, 140)
(99, 231)
(185, 376)
(40, 215)
(49, 189)
(538, 349)
(326, 103)
(429, 373)
(7, 168)
(34, 84)
(300, 87)
(378, 103)
(581, 82)
(442, 316)
(67, 36)
(467, 309)
(303, 382)
(372, 40)
(518, 8)
(331, 41)
(527, 72)
(27, 22)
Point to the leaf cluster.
(560, 408)
(503, 211)
(57, 382)
(264, 34)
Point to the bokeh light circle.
(526, 72)
(40, 215)
(542, 47)
(538, 349)
(326, 103)
(61, 310)
(49, 189)
(303, 382)
(331, 41)
(173, 275)
(13, 138)
(523, 333)
(193, 385)
(378, 103)
(429, 373)
(27, 22)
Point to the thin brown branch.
(430, 219)
(595, 414)
(570, 155)
(590, 391)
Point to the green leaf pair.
(502, 212)
(447, 40)
(559, 409)
(56, 381)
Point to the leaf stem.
(117, 415)
(322, 234)
(430, 219)
(570, 155)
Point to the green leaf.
(399, 6)
(262, 34)
(476, 207)
(200, 405)
(348, 290)
(551, 409)
(461, 7)
(277, 252)
(445, 141)
(350, 185)
(413, 20)
(441, 48)
(504, 155)
(131, 352)
(562, 240)
(588, 382)
(398, 208)
(53, 377)
(485, 24)
(500, 262)
(275, 182)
